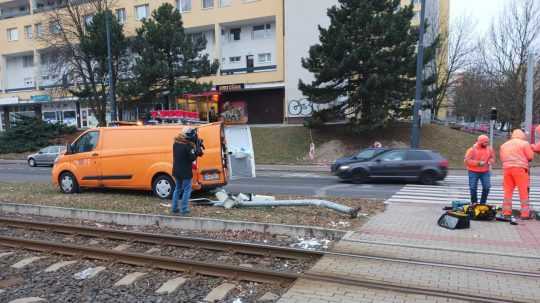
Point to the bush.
(30, 133)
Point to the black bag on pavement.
(454, 220)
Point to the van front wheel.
(68, 183)
(163, 187)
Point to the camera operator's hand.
(199, 148)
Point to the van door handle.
(95, 154)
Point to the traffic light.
(493, 114)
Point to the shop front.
(243, 104)
(232, 104)
(194, 108)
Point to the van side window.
(86, 143)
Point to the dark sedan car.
(421, 165)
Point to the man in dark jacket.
(183, 157)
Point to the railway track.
(172, 240)
(225, 271)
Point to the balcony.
(14, 9)
(43, 6)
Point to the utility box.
(240, 152)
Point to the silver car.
(46, 155)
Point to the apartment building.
(246, 36)
(258, 43)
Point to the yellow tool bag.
(482, 212)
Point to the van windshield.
(86, 143)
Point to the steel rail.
(172, 240)
(388, 286)
(236, 247)
(167, 263)
(436, 264)
(234, 272)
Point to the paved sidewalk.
(409, 231)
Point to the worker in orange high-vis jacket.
(516, 154)
(478, 160)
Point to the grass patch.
(144, 202)
(280, 145)
(290, 145)
(15, 156)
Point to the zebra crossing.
(457, 188)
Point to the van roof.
(166, 126)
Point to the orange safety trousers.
(516, 177)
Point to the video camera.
(193, 137)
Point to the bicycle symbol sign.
(300, 107)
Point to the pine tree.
(167, 59)
(365, 63)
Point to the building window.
(234, 60)
(28, 61)
(28, 32)
(39, 29)
(207, 3)
(235, 34)
(12, 34)
(183, 5)
(54, 27)
(141, 11)
(224, 3)
(265, 58)
(88, 19)
(121, 15)
(261, 31)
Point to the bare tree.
(78, 43)
(503, 56)
(452, 56)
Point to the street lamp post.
(112, 90)
(415, 135)
(529, 95)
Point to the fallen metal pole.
(353, 212)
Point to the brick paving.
(321, 292)
(409, 231)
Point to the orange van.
(138, 157)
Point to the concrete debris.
(88, 273)
(313, 244)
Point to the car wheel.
(428, 178)
(32, 162)
(163, 187)
(359, 177)
(68, 183)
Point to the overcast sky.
(480, 11)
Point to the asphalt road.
(274, 183)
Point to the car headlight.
(56, 159)
(344, 167)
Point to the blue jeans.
(182, 186)
(473, 186)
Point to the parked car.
(421, 165)
(45, 156)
